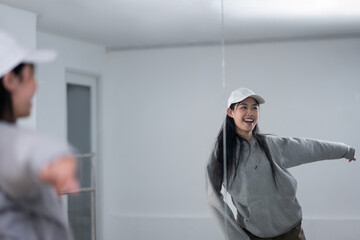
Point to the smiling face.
(245, 115)
(23, 94)
(21, 86)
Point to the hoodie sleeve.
(219, 209)
(296, 151)
(23, 153)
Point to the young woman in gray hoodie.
(253, 170)
(34, 168)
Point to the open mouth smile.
(249, 121)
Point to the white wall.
(72, 55)
(22, 26)
(163, 108)
(158, 127)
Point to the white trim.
(91, 81)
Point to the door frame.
(95, 136)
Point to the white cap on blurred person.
(241, 94)
(12, 54)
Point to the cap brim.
(40, 56)
(258, 98)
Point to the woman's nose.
(249, 113)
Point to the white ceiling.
(122, 24)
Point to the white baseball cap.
(12, 54)
(241, 94)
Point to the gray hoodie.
(29, 208)
(263, 209)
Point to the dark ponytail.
(232, 163)
(6, 111)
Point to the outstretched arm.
(296, 151)
(31, 161)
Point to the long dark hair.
(6, 108)
(232, 162)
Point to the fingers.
(69, 187)
(61, 173)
